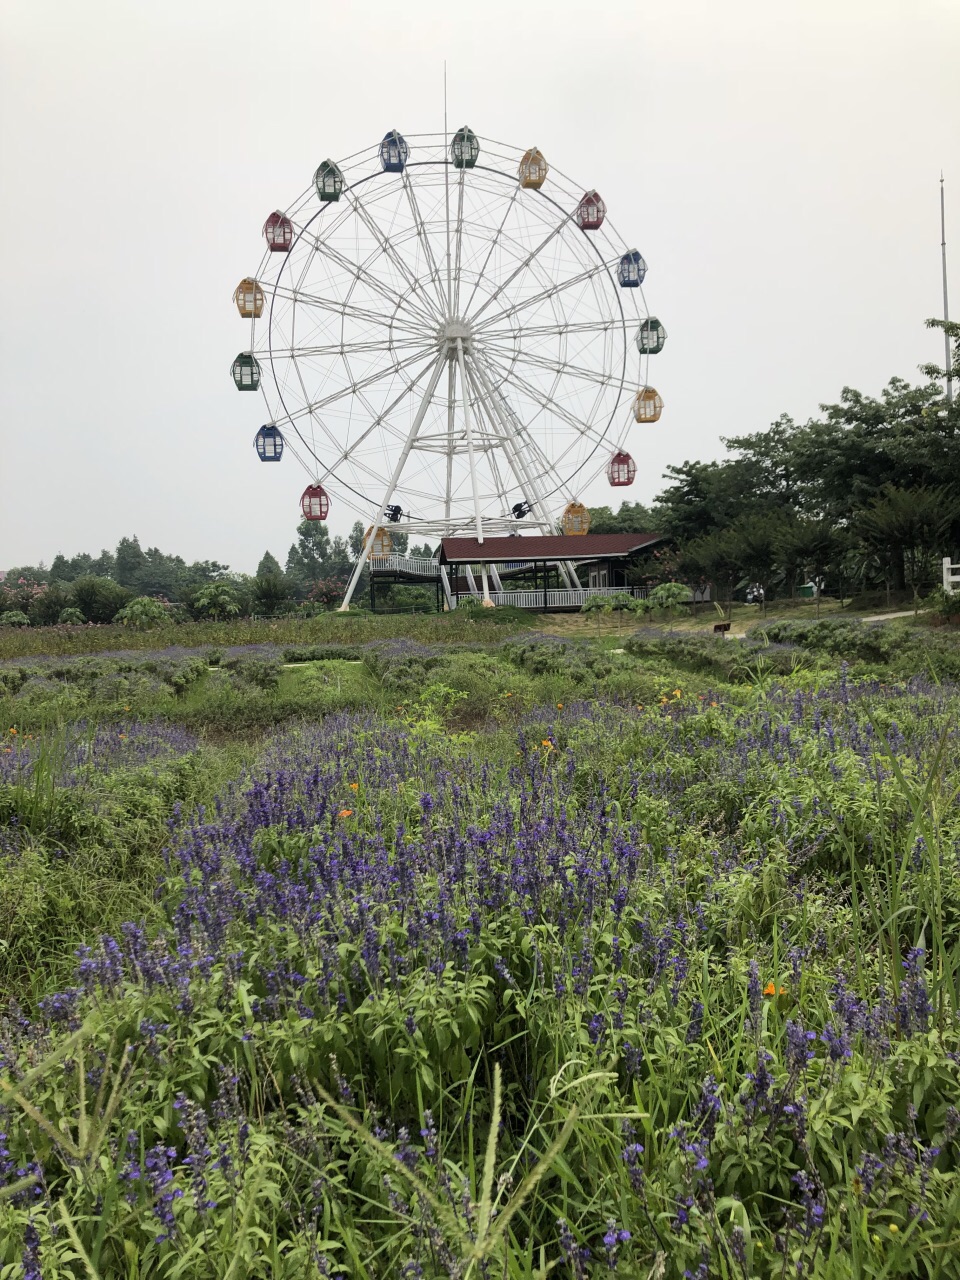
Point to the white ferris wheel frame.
(440, 334)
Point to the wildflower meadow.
(510, 958)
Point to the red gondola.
(621, 469)
(278, 232)
(314, 502)
(590, 212)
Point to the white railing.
(406, 564)
(563, 597)
(951, 575)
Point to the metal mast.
(946, 307)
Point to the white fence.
(951, 575)
(564, 598)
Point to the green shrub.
(14, 618)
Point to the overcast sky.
(777, 162)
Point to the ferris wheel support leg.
(518, 463)
(394, 479)
(468, 426)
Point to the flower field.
(543, 962)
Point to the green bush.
(14, 618)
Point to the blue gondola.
(632, 270)
(393, 152)
(269, 443)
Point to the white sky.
(776, 161)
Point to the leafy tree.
(670, 596)
(217, 601)
(142, 613)
(14, 618)
(71, 618)
(632, 517)
(952, 329)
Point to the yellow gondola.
(575, 519)
(533, 170)
(648, 405)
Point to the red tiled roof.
(587, 546)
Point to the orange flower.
(771, 990)
(508, 695)
(713, 704)
(559, 706)
(121, 735)
(345, 813)
(677, 693)
(545, 742)
(126, 708)
(354, 786)
(13, 731)
(639, 706)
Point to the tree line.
(866, 496)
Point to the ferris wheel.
(450, 338)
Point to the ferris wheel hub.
(450, 331)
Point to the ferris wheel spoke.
(399, 300)
(541, 397)
(424, 239)
(501, 427)
(493, 244)
(353, 387)
(554, 330)
(352, 348)
(350, 311)
(458, 241)
(600, 269)
(346, 454)
(518, 442)
(397, 472)
(373, 227)
(559, 367)
(534, 253)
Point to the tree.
(129, 561)
(270, 591)
(98, 599)
(952, 329)
(757, 550)
(216, 601)
(142, 613)
(71, 618)
(717, 556)
(269, 566)
(905, 527)
(632, 517)
(356, 540)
